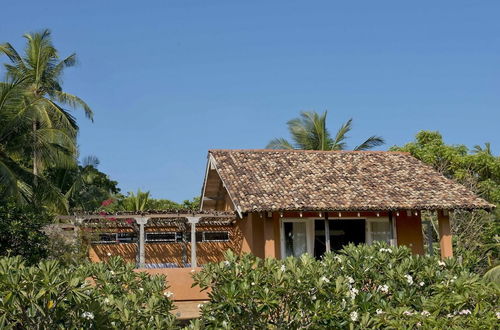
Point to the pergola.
(141, 219)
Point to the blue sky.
(169, 80)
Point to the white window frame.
(161, 240)
(310, 230)
(309, 234)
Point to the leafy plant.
(361, 287)
(477, 234)
(103, 296)
(21, 231)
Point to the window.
(216, 236)
(106, 238)
(380, 231)
(113, 238)
(209, 236)
(167, 237)
(126, 237)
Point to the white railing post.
(142, 258)
(193, 221)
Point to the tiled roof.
(274, 180)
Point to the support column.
(428, 233)
(327, 234)
(140, 243)
(270, 237)
(445, 238)
(193, 221)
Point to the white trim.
(369, 221)
(394, 240)
(311, 230)
(207, 169)
(213, 163)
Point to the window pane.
(217, 236)
(126, 237)
(295, 238)
(381, 231)
(161, 237)
(106, 238)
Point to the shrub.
(21, 231)
(103, 296)
(361, 287)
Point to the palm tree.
(15, 132)
(309, 132)
(136, 202)
(487, 149)
(41, 71)
(12, 174)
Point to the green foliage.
(141, 201)
(84, 186)
(493, 275)
(21, 231)
(102, 296)
(477, 234)
(309, 132)
(36, 130)
(69, 248)
(361, 287)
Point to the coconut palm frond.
(370, 143)
(338, 143)
(14, 179)
(74, 102)
(12, 54)
(66, 63)
(486, 149)
(279, 143)
(309, 132)
(56, 147)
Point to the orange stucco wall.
(180, 281)
(257, 233)
(409, 231)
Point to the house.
(281, 203)
(294, 201)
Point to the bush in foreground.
(361, 287)
(104, 296)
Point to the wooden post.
(193, 221)
(142, 257)
(445, 238)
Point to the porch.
(292, 233)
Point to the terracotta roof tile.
(273, 180)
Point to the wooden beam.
(445, 237)
(151, 216)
